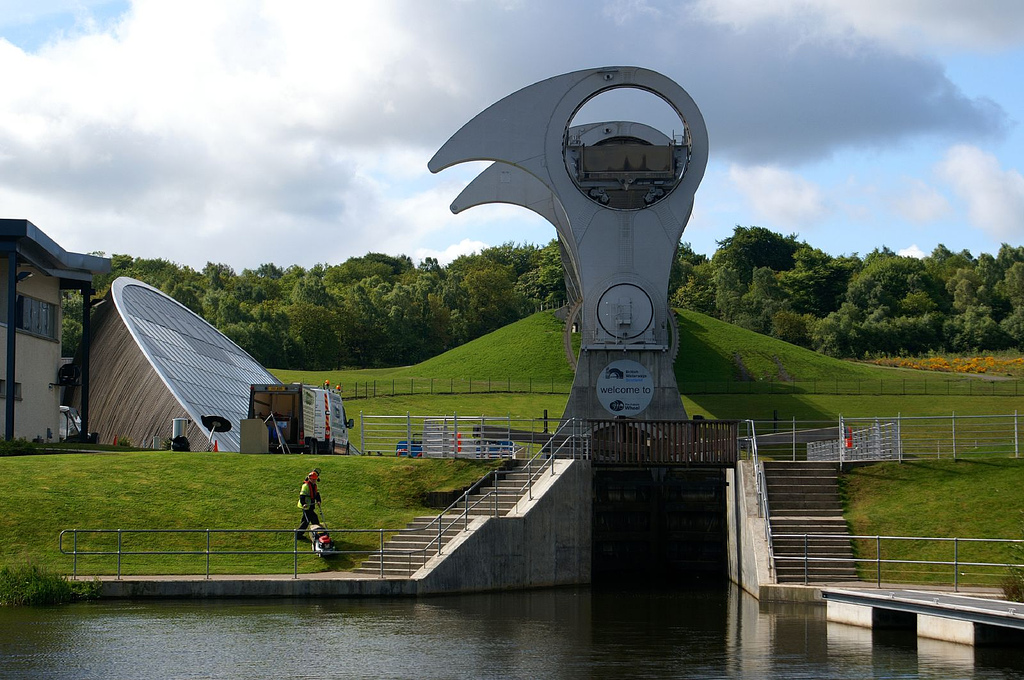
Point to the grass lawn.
(975, 498)
(163, 490)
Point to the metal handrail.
(464, 499)
(956, 562)
(763, 507)
(208, 552)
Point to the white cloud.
(994, 196)
(912, 251)
(296, 132)
(778, 197)
(463, 247)
(918, 202)
(921, 23)
(624, 11)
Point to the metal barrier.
(454, 436)
(890, 438)
(121, 551)
(664, 442)
(761, 484)
(956, 563)
(965, 386)
(370, 389)
(384, 387)
(561, 444)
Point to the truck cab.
(70, 423)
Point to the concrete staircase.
(803, 498)
(408, 550)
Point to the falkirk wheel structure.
(619, 194)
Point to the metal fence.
(905, 559)
(966, 387)
(368, 389)
(122, 544)
(455, 436)
(388, 387)
(886, 438)
(203, 543)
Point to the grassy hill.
(712, 350)
(723, 371)
(529, 348)
(709, 350)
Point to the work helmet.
(313, 476)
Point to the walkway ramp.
(953, 618)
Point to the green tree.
(974, 330)
(315, 332)
(840, 334)
(751, 247)
(697, 290)
(544, 281)
(729, 290)
(793, 328)
(762, 301)
(71, 325)
(817, 281)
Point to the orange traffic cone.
(215, 445)
(115, 440)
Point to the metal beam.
(12, 333)
(86, 344)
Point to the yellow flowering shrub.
(986, 364)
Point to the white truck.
(70, 422)
(300, 418)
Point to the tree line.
(381, 310)
(883, 304)
(371, 311)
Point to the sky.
(252, 131)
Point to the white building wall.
(36, 414)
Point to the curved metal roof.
(203, 369)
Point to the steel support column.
(12, 332)
(86, 344)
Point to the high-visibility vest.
(309, 490)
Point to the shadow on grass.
(781, 407)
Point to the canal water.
(715, 632)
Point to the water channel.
(708, 632)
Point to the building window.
(37, 317)
(3, 389)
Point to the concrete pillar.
(850, 614)
(942, 628)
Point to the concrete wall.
(545, 542)
(748, 549)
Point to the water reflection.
(714, 632)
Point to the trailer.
(300, 418)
